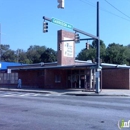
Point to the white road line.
(36, 94)
(27, 95)
(7, 95)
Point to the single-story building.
(82, 74)
(67, 72)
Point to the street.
(33, 111)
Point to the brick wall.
(32, 78)
(63, 59)
(116, 78)
(43, 78)
(49, 81)
(111, 78)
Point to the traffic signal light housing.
(77, 38)
(61, 4)
(87, 46)
(45, 27)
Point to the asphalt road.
(30, 111)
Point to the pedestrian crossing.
(25, 94)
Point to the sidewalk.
(73, 92)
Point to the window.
(57, 78)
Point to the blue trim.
(4, 65)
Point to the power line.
(93, 5)
(89, 3)
(117, 9)
(114, 14)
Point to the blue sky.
(21, 21)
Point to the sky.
(22, 21)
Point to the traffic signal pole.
(98, 54)
(48, 19)
(92, 37)
(85, 33)
(97, 38)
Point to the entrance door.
(81, 78)
(73, 79)
(82, 81)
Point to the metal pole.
(85, 33)
(48, 19)
(80, 39)
(98, 54)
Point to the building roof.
(54, 65)
(4, 65)
(49, 66)
(107, 65)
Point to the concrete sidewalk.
(73, 92)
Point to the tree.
(117, 54)
(21, 56)
(128, 54)
(91, 53)
(86, 54)
(128, 46)
(34, 53)
(7, 54)
(49, 55)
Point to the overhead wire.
(93, 5)
(117, 9)
(114, 14)
(89, 3)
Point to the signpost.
(61, 23)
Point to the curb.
(63, 93)
(73, 94)
(21, 90)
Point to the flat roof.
(53, 65)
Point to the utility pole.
(98, 69)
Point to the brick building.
(68, 72)
(52, 75)
(116, 78)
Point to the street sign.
(61, 23)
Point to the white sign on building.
(68, 48)
(8, 71)
(0, 65)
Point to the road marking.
(7, 95)
(27, 94)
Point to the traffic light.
(77, 38)
(61, 4)
(45, 27)
(87, 46)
